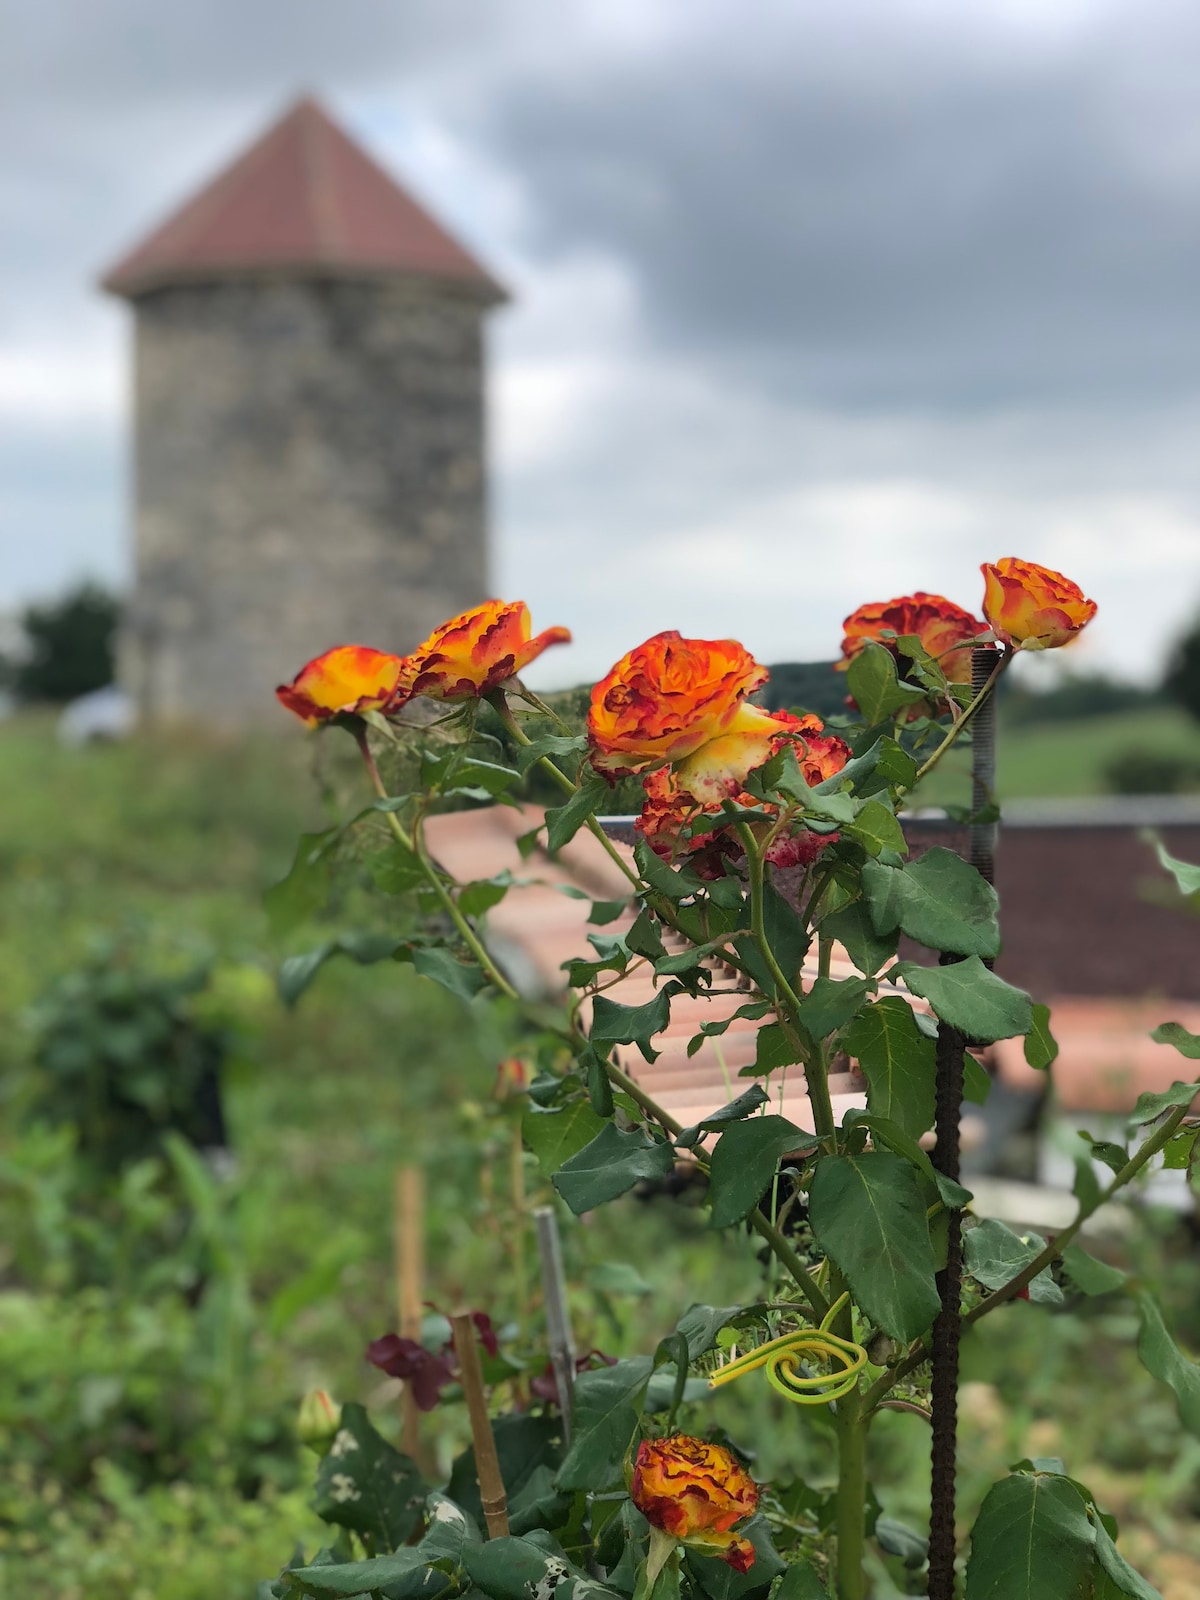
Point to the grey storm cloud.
(868, 212)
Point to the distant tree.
(1182, 681)
(71, 645)
(805, 686)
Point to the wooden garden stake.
(487, 1463)
(951, 1047)
(409, 1238)
(558, 1313)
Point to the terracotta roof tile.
(304, 199)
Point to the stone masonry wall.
(309, 471)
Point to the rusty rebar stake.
(951, 1048)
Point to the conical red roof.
(304, 199)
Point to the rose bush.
(854, 1220)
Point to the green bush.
(72, 644)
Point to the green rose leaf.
(440, 966)
(799, 1582)
(304, 891)
(517, 1568)
(555, 1136)
(875, 827)
(529, 1450)
(604, 1415)
(617, 1024)
(564, 822)
(746, 1103)
(406, 1574)
(831, 1002)
(297, 972)
(549, 744)
(993, 1254)
(1164, 1360)
(940, 901)
(744, 1162)
(1032, 1540)
(367, 1486)
(609, 1166)
(484, 893)
(1150, 1106)
(772, 1050)
(868, 1215)
(875, 684)
(970, 998)
(1090, 1276)
(1174, 1033)
(1117, 1569)
(700, 1326)
(1185, 874)
(676, 883)
(897, 1060)
(1041, 1047)
(851, 925)
(786, 934)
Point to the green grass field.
(162, 848)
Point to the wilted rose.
(669, 697)
(697, 1492)
(944, 629)
(676, 797)
(1032, 607)
(344, 681)
(471, 654)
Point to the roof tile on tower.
(304, 199)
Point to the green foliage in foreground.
(170, 843)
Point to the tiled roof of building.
(304, 199)
(1106, 1055)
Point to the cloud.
(807, 297)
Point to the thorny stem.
(416, 844)
(1047, 1257)
(816, 1074)
(1005, 656)
(499, 703)
(761, 1224)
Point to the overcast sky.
(813, 303)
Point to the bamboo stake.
(409, 1240)
(487, 1463)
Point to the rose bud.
(696, 1492)
(318, 1421)
(343, 682)
(470, 655)
(1032, 607)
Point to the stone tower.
(309, 451)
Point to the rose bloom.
(469, 655)
(1032, 607)
(342, 682)
(696, 1492)
(944, 629)
(697, 786)
(669, 697)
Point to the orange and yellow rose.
(1032, 607)
(471, 654)
(669, 697)
(343, 682)
(944, 629)
(697, 1493)
(677, 796)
